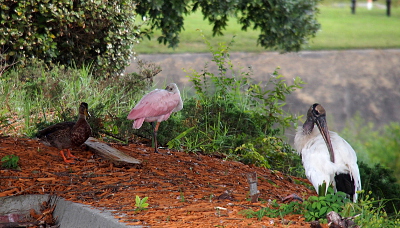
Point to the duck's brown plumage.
(68, 135)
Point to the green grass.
(38, 95)
(339, 30)
(366, 29)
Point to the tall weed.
(230, 113)
(371, 212)
(39, 95)
(378, 150)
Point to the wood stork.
(326, 156)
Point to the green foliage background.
(282, 25)
(100, 33)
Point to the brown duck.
(68, 135)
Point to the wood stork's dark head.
(316, 115)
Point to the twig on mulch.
(122, 140)
(20, 192)
(16, 177)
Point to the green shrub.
(375, 144)
(382, 184)
(273, 153)
(367, 212)
(370, 212)
(229, 111)
(313, 208)
(101, 33)
(378, 150)
(318, 206)
(275, 210)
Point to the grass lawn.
(339, 30)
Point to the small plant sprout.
(181, 196)
(211, 197)
(141, 203)
(10, 162)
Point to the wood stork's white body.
(316, 158)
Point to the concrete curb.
(70, 214)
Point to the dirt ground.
(184, 189)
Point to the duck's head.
(84, 110)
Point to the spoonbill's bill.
(326, 156)
(156, 106)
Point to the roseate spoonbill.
(156, 106)
(326, 156)
(68, 135)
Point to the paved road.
(344, 82)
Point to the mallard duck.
(68, 135)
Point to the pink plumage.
(156, 106)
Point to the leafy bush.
(318, 206)
(368, 212)
(101, 33)
(378, 152)
(232, 114)
(382, 185)
(313, 208)
(273, 153)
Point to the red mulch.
(184, 189)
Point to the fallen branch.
(117, 157)
(114, 136)
(15, 177)
(26, 189)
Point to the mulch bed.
(184, 189)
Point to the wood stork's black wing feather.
(345, 183)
